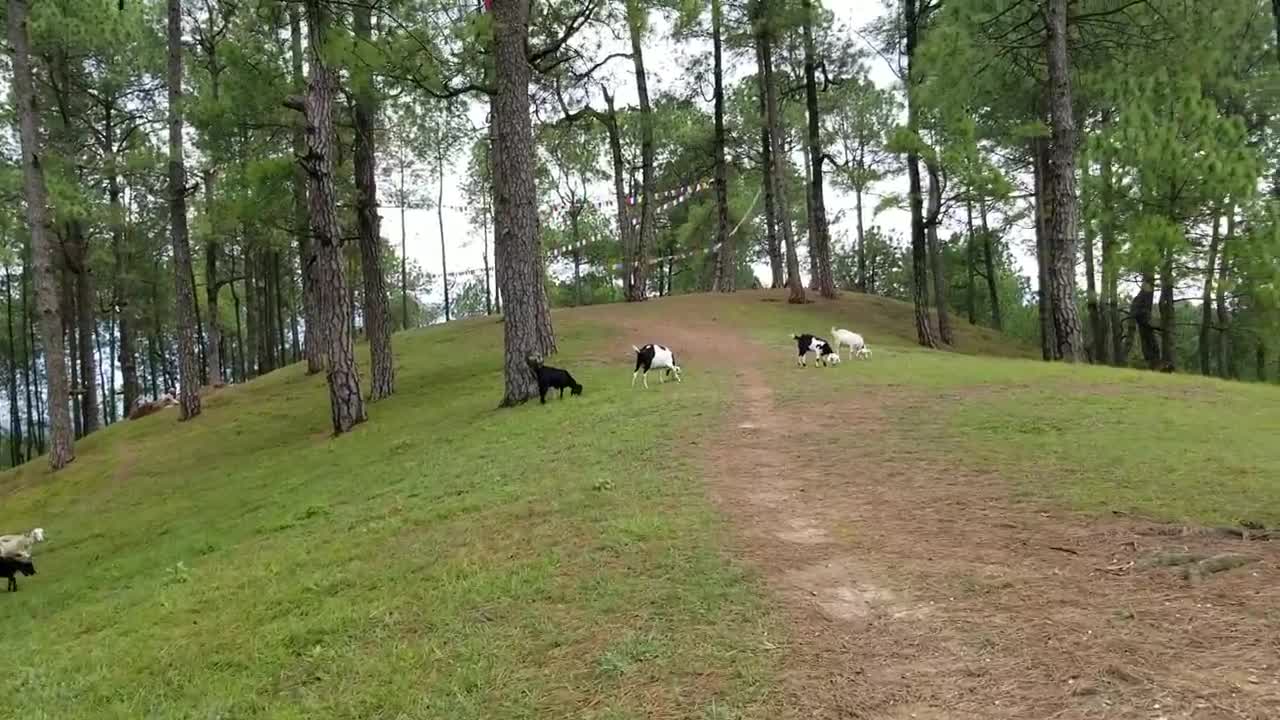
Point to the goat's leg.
(633, 378)
(646, 379)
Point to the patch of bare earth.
(916, 588)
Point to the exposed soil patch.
(917, 588)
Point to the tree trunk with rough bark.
(346, 405)
(1223, 346)
(936, 263)
(377, 313)
(774, 244)
(213, 370)
(47, 285)
(1168, 321)
(639, 287)
(1113, 323)
(1097, 331)
(919, 248)
(86, 300)
(527, 330)
(819, 231)
(1044, 297)
(726, 253)
(971, 262)
(15, 415)
(778, 157)
(313, 343)
(1141, 310)
(1206, 300)
(1061, 186)
(184, 291)
(989, 261)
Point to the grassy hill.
(452, 560)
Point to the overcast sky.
(666, 63)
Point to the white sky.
(666, 63)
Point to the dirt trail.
(917, 589)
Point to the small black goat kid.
(11, 566)
(550, 378)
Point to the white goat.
(857, 346)
(19, 546)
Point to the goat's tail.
(795, 337)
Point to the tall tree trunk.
(1220, 301)
(241, 367)
(626, 237)
(637, 19)
(73, 349)
(989, 259)
(1097, 332)
(1206, 300)
(810, 238)
(1061, 186)
(936, 261)
(1260, 357)
(85, 325)
(277, 276)
(28, 353)
(251, 312)
(346, 404)
(48, 290)
(777, 278)
(102, 380)
(971, 262)
(213, 338)
(313, 342)
(778, 156)
(1114, 323)
(527, 328)
(377, 313)
(820, 232)
(484, 238)
(1168, 322)
(444, 262)
(123, 292)
(726, 252)
(213, 353)
(1141, 311)
(404, 259)
(15, 416)
(1043, 211)
(919, 250)
(184, 291)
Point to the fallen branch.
(1067, 550)
(1215, 564)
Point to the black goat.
(552, 378)
(11, 566)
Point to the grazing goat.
(857, 346)
(654, 357)
(822, 351)
(19, 546)
(11, 566)
(143, 408)
(552, 378)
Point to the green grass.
(1178, 448)
(446, 560)
(450, 560)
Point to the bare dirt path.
(914, 588)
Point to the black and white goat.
(11, 566)
(550, 378)
(823, 352)
(654, 357)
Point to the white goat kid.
(654, 357)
